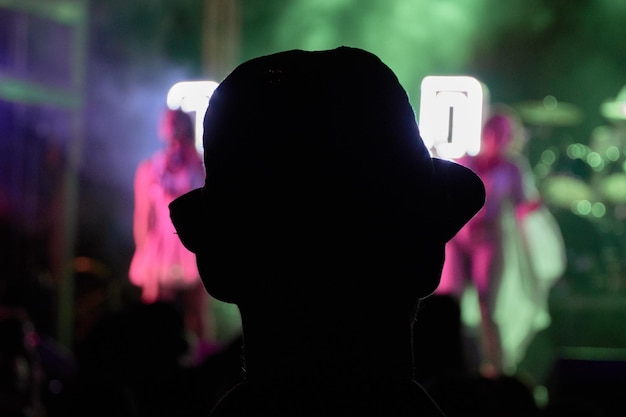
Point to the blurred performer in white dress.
(494, 254)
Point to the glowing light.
(612, 153)
(550, 102)
(582, 207)
(541, 170)
(576, 151)
(595, 161)
(598, 210)
(451, 115)
(548, 157)
(192, 97)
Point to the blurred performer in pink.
(161, 266)
(477, 255)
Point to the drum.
(613, 188)
(563, 190)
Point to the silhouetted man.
(324, 218)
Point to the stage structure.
(42, 82)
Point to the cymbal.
(603, 138)
(549, 112)
(613, 187)
(563, 190)
(615, 109)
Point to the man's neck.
(344, 356)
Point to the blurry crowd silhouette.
(131, 363)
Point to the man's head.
(314, 163)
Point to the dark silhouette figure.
(324, 218)
(474, 395)
(129, 364)
(442, 350)
(207, 382)
(21, 374)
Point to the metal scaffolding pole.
(221, 37)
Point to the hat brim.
(457, 195)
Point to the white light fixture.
(192, 97)
(451, 115)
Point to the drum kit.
(587, 183)
(608, 186)
(549, 112)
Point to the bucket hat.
(312, 137)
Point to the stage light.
(192, 97)
(595, 161)
(598, 209)
(612, 153)
(451, 115)
(548, 157)
(576, 151)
